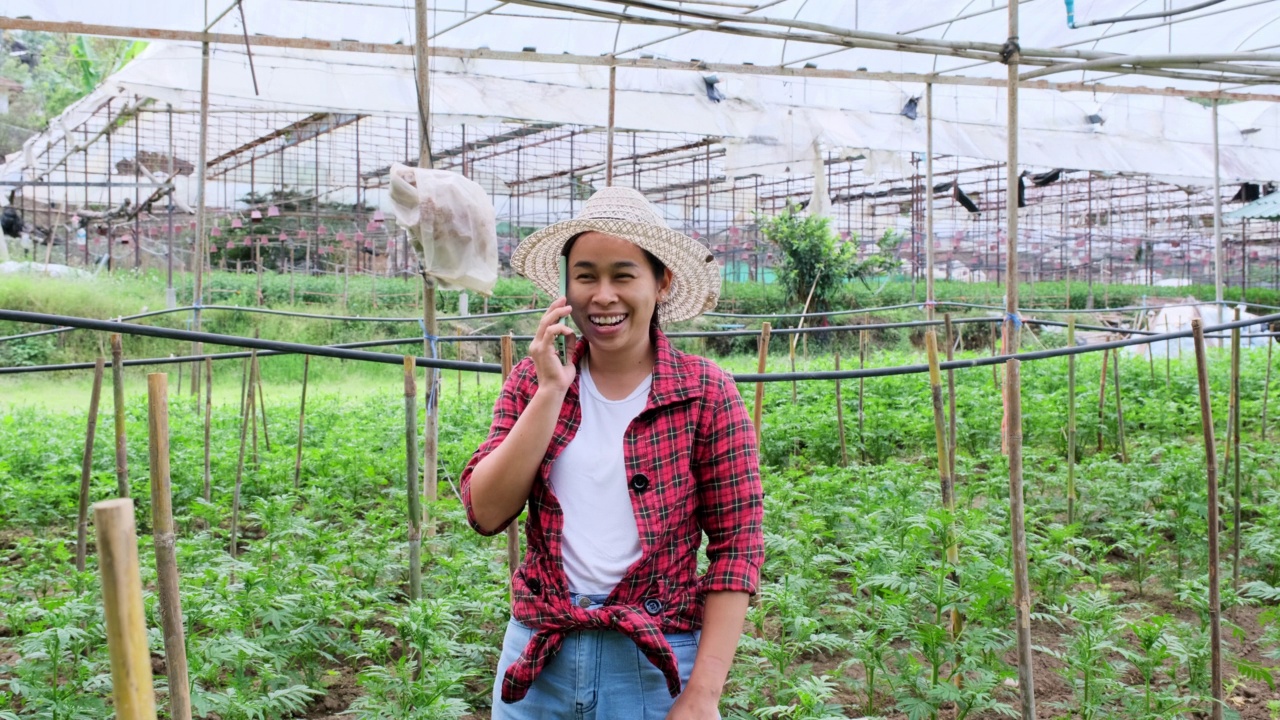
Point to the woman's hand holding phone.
(554, 373)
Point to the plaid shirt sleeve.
(730, 496)
(515, 395)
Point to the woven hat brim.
(695, 285)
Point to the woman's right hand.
(553, 373)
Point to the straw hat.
(625, 213)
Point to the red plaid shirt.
(692, 467)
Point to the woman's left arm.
(731, 512)
(721, 628)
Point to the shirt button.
(639, 482)
(535, 585)
(653, 606)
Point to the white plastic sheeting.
(1230, 26)
(770, 126)
(451, 223)
(1178, 319)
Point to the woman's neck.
(616, 375)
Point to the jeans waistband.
(593, 601)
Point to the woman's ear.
(664, 284)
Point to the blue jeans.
(597, 675)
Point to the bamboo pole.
(944, 465)
(995, 369)
(1234, 435)
(1102, 399)
(930, 299)
(262, 402)
(131, 683)
(844, 449)
(86, 465)
(760, 367)
(302, 415)
(208, 422)
(202, 226)
(1071, 422)
(1266, 388)
(251, 389)
(1115, 368)
(513, 530)
(1211, 464)
(1021, 584)
(163, 537)
(862, 364)
(246, 414)
(430, 327)
(117, 388)
(951, 395)
(411, 478)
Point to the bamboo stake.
(162, 535)
(862, 364)
(844, 450)
(1266, 389)
(411, 477)
(1168, 360)
(1211, 463)
(86, 466)
(796, 336)
(951, 396)
(995, 369)
(1102, 399)
(1071, 422)
(944, 464)
(131, 683)
(1234, 435)
(302, 415)
(252, 398)
(1115, 367)
(765, 328)
(430, 434)
(245, 414)
(1021, 584)
(208, 418)
(117, 388)
(262, 403)
(513, 530)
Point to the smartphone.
(564, 291)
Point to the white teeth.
(608, 319)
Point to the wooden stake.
(1211, 463)
(513, 530)
(1102, 399)
(995, 369)
(430, 431)
(245, 415)
(951, 396)
(262, 403)
(208, 421)
(163, 537)
(862, 364)
(1234, 435)
(86, 465)
(1266, 388)
(760, 367)
(411, 478)
(1115, 367)
(117, 388)
(944, 465)
(302, 415)
(1021, 584)
(844, 450)
(1071, 422)
(131, 683)
(252, 397)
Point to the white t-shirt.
(589, 478)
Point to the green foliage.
(815, 260)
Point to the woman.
(626, 455)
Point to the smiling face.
(613, 292)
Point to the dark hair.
(655, 264)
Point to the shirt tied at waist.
(548, 639)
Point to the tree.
(815, 259)
(55, 71)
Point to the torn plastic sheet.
(451, 222)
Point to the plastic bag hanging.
(451, 223)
